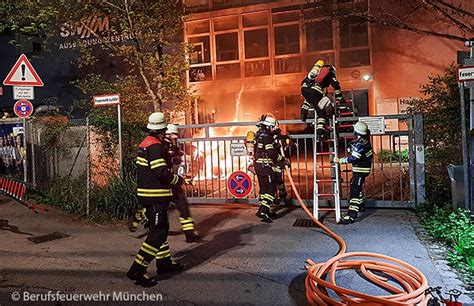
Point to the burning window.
(227, 47)
(256, 43)
(319, 35)
(354, 58)
(287, 39)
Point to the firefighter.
(278, 141)
(266, 156)
(360, 157)
(313, 88)
(154, 182)
(179, 197)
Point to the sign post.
(112, 100)
(23, 109)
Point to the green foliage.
(388, 156)
(455, 229)
(442, 128)
(117, 200)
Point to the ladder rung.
(346, 114)
(325, 167)
(326, 140)
(325, 153)
(345, 125)
(326, 180)
(326, 209)
(326, 194)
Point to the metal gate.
(397, 178)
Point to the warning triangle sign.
(23, 73)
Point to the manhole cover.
(304, 223)
(46, 238)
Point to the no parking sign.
(239, 184)
(23, 108)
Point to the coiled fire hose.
(414, 283)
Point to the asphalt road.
(240, 261)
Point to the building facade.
(249, 57)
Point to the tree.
(153, 57)
(442, 129)
(447, 19)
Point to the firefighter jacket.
(266, 153)
(323, 79)
(154, 175)
(361, 156)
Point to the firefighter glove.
(189, 181)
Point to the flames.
(213, 157)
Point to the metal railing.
(396, 180)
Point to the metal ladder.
(334, 178)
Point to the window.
(227, 47)
(226, 23)
(354, 32)
(228, 71)
(199, 74)
(257, 68)
(286, 17)
(354, 58)
(319, 35)
(201, 51)
(256, 43)
(257, 19)
(311, 59)
(287, 39)
(197, 27)
(288, 65)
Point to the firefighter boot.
(137, 274)
(191, 236)
(264, 214)
(168, 266)
(350, 218)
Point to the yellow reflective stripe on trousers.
(154, 192)
(146, 245)
(264, 160)
(360, 170)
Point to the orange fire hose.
(411, 279)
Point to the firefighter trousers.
(182, 204)
(356, 193)
(268, 187)
(156, 244)
(313, 97)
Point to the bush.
(117, 200)
(455, 230)
(388, 156)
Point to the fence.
(397, 179)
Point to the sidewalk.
(240, 261)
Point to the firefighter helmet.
(268, 121)
(172, 129)
(319, 63)
(156, 121)
(361, 128)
